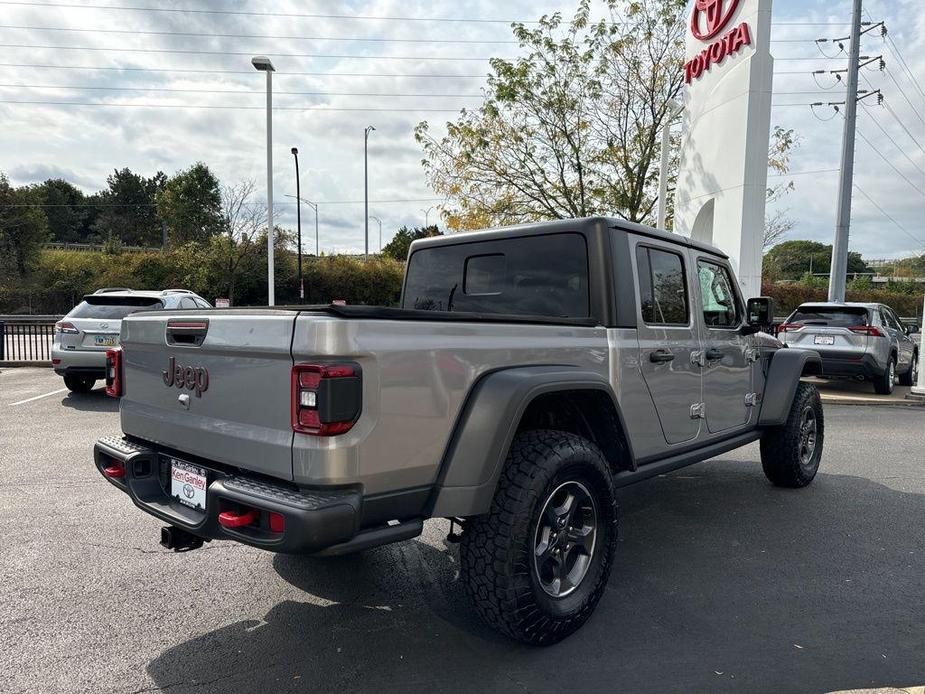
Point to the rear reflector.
(277, 522)
(232, 519)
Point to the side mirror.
(913, 330)
(760, 314)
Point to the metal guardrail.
(97, 247)
(26, 341)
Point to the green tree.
(571, 129)
(70, 213)
(23, 230)
(127, 211)
(792, 260)
(191, 204)
(397, 248)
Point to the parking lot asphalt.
(722, 582)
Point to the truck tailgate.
(226, 399)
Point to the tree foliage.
(127, 209)
(23, 229)
(792, 260)
(572, 128)
(71, 214)
(397, 248)
(190, 202)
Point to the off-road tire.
(910, 377)
(79, 384)
(783, 448)
(885, 382)
(497, 564)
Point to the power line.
(895, 223)
(240, 72)
(235, 91)
(890, 138)
(905, 96)
(224, 107)
(180, 51)
(356, 39)
(253, 13)
(889, 163)
(394, 201)
(902, 61)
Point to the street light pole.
(427, 215)
(366, 132)
(298, 217)
(263, 64)
(380, 231)
(314, 207)
(674, 108)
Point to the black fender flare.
(478, 447)
(784, 372)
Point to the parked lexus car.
(82, 337)
(863, 341)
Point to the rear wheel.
(911, 377)
(790, 454)
(537, 564)
(885, 383)
(79, 384)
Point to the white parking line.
(38, 397)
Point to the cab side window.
(186, 302)
(720, 306)
(662, 287)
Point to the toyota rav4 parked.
(864, 341)
(528, 373)
(82, 337)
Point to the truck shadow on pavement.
(722, 583)
(94, 401)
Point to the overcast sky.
(83, 144)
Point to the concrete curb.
(887, 690)
(869, 402)
(12, 364)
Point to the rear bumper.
(315, 519)
(848, 365)
(79, 362)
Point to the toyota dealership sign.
(709, 19)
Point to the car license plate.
(188, 484)
(825, 340)
(106, 340)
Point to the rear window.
(535, 276)
(831, 316)
(113, 308)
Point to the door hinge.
(751, 400)
(699, 358)
(699, 411)
(753, 355)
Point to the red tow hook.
(231, 519)
(114, 471)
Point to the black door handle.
(661, 356)
(714, 354)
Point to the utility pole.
(298, 216)
(839, 272)
(366, 133)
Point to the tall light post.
(380, 231)
(298, 217)
(427, 215)
(366, 133)
(314, 207)
(263, 64)
(674, 108)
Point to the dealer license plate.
(825, 340)
(106, 340)
(188, 484)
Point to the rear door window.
(113, 308)
(831, 316)
(541, 275)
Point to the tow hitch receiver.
(179, 540)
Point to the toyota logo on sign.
(710, 17)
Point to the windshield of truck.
(113, 308)
(830, 316)
(532, 275)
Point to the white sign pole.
(919, 388)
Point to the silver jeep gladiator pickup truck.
(528, 373)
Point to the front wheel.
(884, 384)
(911, 377)
(79, 384)
(790, 454)
(537, 564)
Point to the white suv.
(82, 337)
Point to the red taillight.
(789, 328)
(115, 470)
(234, 519)
(325, 398)
(277, 522)
(869, 330)
(65, 327)
(114, 372)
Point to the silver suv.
(864, 341)
(82, 337)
